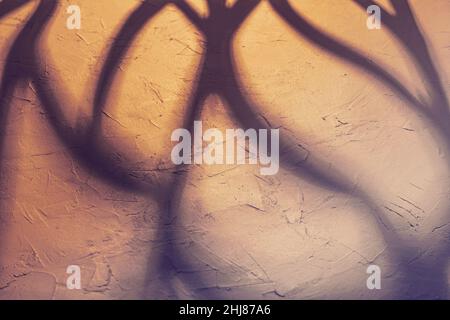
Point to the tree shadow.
(217, 74)
(22, 66)
(405, 28)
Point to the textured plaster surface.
(237, 234)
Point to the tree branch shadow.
(216, 74)
(405, 28)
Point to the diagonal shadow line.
(418, 48)
(6, 95)
(92, 154)
(345, 53)
(6, 192)
(8, 6)
(169, 195)
(232, 104)
(189, 13)
(52, 101)
(11, 74)
(22, 65)
(170, 206)
(177, 184)
(318, 38)
(132, 26)
(14, 73)
(208, 82)
(312, 170)
(405, 28)
(80, 144)
(229, 91)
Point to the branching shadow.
(22, 64)
(217, 74)
(436, 111)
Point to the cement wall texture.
(93, 206)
